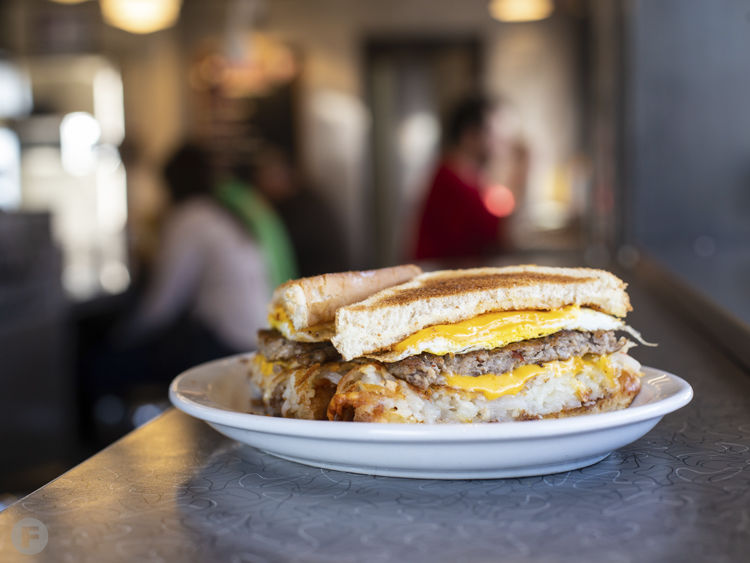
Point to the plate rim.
(443, 432)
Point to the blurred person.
(209, 287)
(314, 230)
(212, 279)
(455, 221)
(208, 267)
(260, 218)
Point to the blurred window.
(70, 167)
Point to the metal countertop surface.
(175, 490)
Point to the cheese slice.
(494, 330)
(493, 386)
(278, 319)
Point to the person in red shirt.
(455, 221)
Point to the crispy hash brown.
(310, 381)
(369, 393)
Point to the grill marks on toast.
(471, 283)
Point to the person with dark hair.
(210, 272)
(313, 228)
(188, 174)
(208, 289)
(455, 221)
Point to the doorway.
(410, 85)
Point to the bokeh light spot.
(499, 200)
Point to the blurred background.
(165, 163)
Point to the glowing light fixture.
(141, 16)
(260, 62)
(521, 10)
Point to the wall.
(690, 118)
(689, 141)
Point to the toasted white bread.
(304, 309)
(385, 318)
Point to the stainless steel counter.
(175, 490)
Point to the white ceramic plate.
(217, 392)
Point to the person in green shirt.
(257, 215)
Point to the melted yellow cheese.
(278, 319)
(265, 367)
(493, 386)
(490, 330)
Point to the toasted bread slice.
(304, 309)
(374, 325)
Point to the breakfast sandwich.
(487, 345)
(296, 369)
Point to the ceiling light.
(141, 16)
(521, 10)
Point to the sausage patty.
(428, 369)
